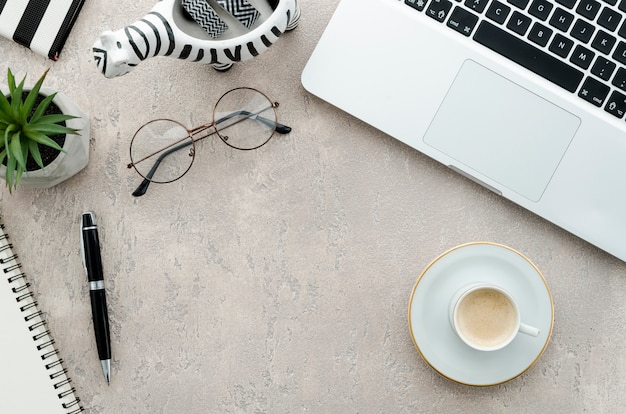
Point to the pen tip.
(106, 369)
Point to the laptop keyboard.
(579, 45)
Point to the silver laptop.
(526, 97)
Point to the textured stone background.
(278, 280)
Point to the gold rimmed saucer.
(429, 322)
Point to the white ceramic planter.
(167, 31)
(76, 155)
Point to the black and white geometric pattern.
(42, 26)
(205, 16)
(243, 11)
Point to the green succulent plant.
(24, 126)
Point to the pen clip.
(82, 239)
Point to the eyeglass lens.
(162, 150)
(245, 118)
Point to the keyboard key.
(477, 5)
(540, 34)
(568, 3)
(603, 68)
(582, 57)
(561, 19)
(620, 53)
(622, 30)
(416, 4)
(520, 4)
(622, 6)
(462, 21)
(439, 9)
(498, 12)
(588, 8)
(519, 23)
(616, 104)
(528, 56)
(619, 80)
(561, 45)
(594, 91)
(582, 31)
(540, 9)
(609, 19)
(603, 42)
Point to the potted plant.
(44, 136)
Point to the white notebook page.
(31, 379)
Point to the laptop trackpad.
(501, 130)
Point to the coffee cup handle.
(529, 330)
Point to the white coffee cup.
(486, 317)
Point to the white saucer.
(430, 324)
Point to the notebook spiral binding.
(12, 270)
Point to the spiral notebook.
(32, 376)
(41, 25)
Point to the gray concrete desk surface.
(278, 280)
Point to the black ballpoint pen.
(90, 249)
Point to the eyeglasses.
(163, 150)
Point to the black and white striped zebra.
(158, 34)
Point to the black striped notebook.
(41, 25)
(32, 377)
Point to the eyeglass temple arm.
(278, 127)
(143, 187)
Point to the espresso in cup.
(486, 317)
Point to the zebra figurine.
(168, 31)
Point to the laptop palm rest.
(502, 131)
